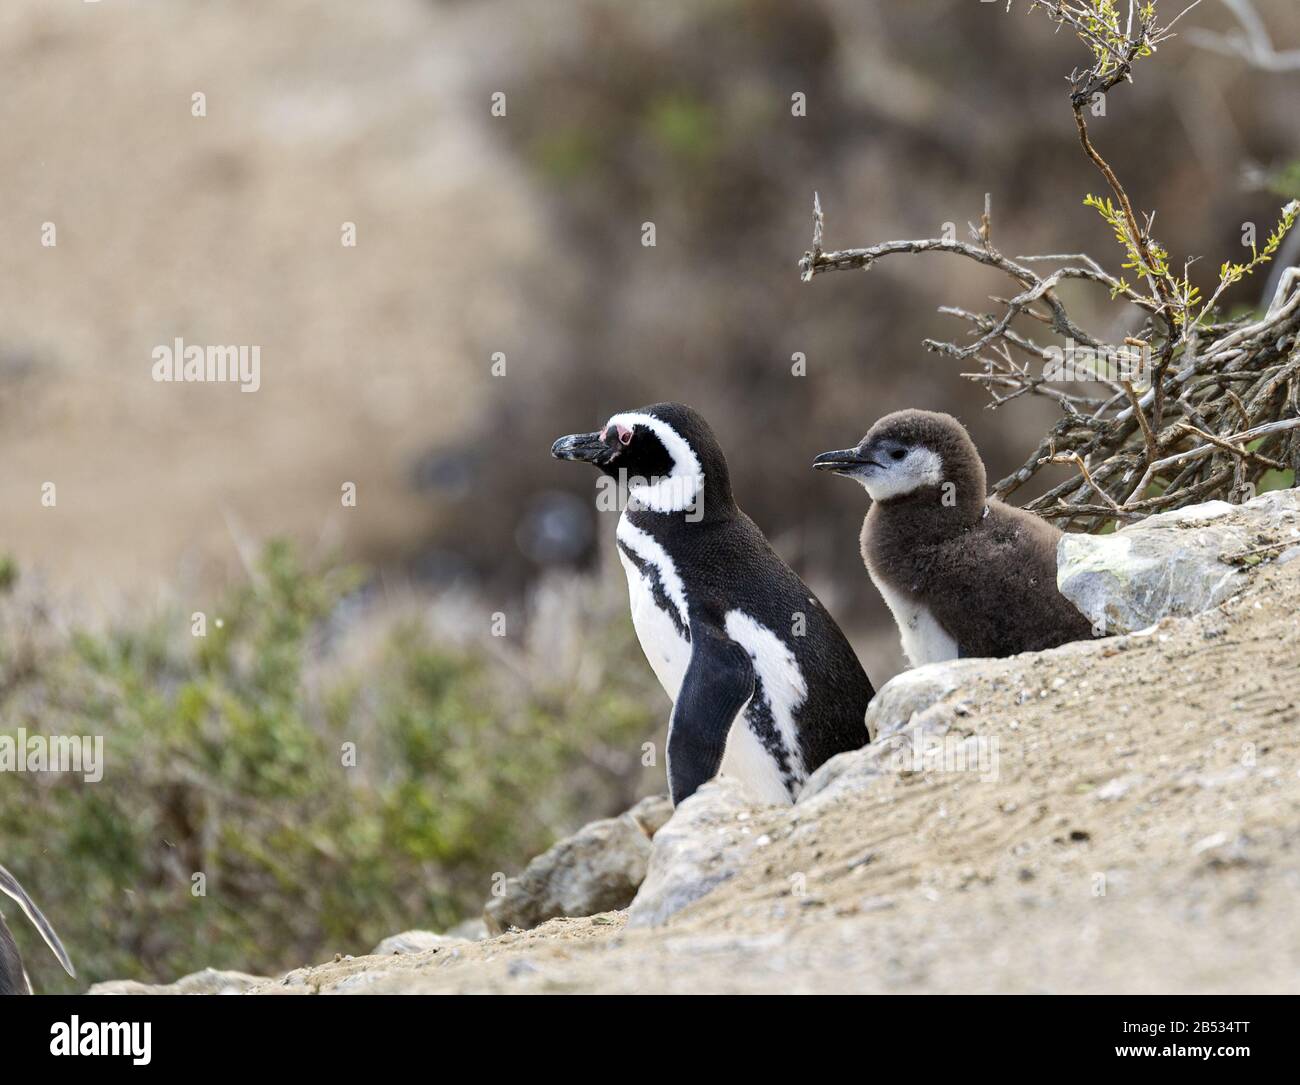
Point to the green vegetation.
(225, 755)
(1105, 29)
(684, 125)
(1275, 480)
(1190, 306)
(1286, 181)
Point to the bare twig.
(1225, 384)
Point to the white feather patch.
(921, 467)
(924, 639)
(783, 682)
(747, 760)
(680, 488)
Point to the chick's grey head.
(910, 456)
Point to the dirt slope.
(1142, 834)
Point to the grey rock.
(597, 869)
(914, 710)
(412, 942)
(862, 765)
(846, 772)
(210, 981)
(702, 845)
(1171, 564)
(899, 750)
(521, 967)
(470, 930)
(907, 714)
(652, 813)
(899, 699)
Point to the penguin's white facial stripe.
(680, 489)
(889, 477)
(648, 549)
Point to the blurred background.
(477, 235)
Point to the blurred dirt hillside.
(521, 234)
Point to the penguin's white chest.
(666, 650)
(656, 595)
(924, 639)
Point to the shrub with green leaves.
(327, 796)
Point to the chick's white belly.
(924, 639)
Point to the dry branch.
(1176, 429)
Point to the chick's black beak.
(843, 461)
(587, 447)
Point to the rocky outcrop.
(901, 747)
(1176, 563)
(704, 843)
(895, 703)
(597, 869)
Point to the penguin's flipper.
(9, 885)
(718, 682)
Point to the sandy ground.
(1142, 835)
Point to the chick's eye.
(898, 454)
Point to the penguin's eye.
(898, 454)
(624, 435)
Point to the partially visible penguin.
(963, 574)
(13, 977)
(764, 685)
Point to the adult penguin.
(764, 685)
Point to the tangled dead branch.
(1190, 408)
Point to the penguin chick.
(13, 977)
(963, 574)
(764, 685)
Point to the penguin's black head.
(666, 452)
(911, 454)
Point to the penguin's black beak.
(844, 461)
(587, 447)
